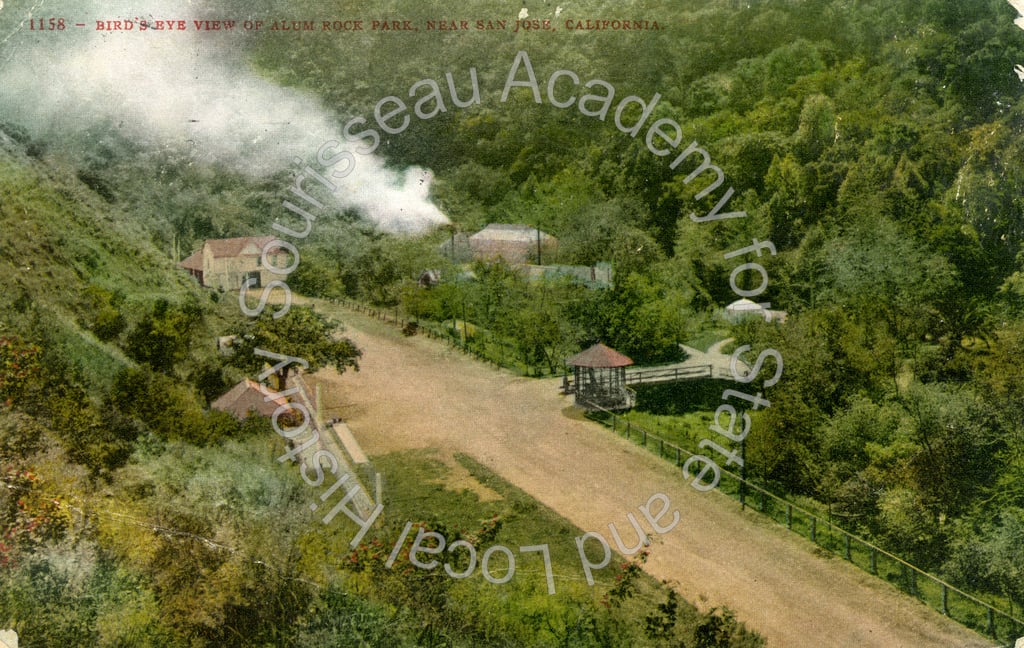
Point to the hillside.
(863, 158)
(75, 266)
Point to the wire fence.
(948, 599)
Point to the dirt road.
(417, 393)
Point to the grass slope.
(61, 244)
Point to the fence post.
(814, 530)
(789, 516)
(874, 561)
(991, 622)
(678, 458)
(761, 507)
(945, 599)
(661, 449)
(847, 537)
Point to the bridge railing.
(656, 375)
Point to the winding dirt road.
(418, 393)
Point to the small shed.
(599, 378)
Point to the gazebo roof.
(599, 356)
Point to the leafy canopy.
(301, 333)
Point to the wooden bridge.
(655, 375)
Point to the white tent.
(744, 307)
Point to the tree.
(954, 450)
(788, 207)
(643, 320)
(301, 333)
(161, 337)
(540, 328)
(817, 129)
(988, 557)
(875, 269)
(998, 380)
(98, 439)
(850, 440)
(831, 360)
(105, 318)
(170, 408)
(1007, 559)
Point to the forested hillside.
(876, 144)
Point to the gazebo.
(599, 378)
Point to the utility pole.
(538, 246)
(465, 333)
(743, 474)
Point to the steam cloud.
(179, 89)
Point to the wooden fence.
(951, 601)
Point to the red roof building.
(246, 398)
(226, 264)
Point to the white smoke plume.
(182, 89)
